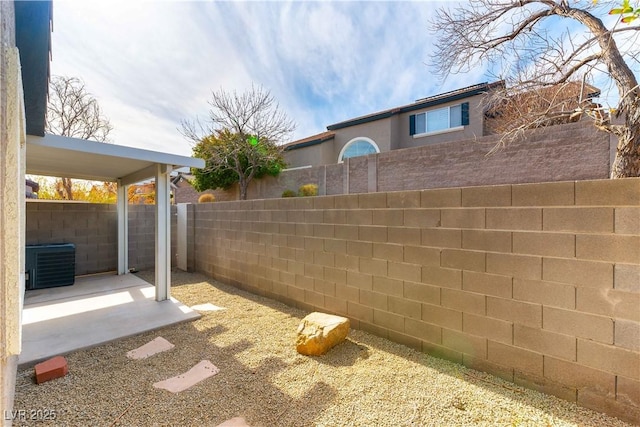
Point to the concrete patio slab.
(95, 310)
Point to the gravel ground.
(366, 381)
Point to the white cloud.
(152, 64)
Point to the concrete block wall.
(93, 228)
(536, 283)
(574, 151)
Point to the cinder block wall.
(536, 283)
(93, 228)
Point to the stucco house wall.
(12, 150)
(472, 130)
(390, 129)
(380, 131)
(315, 155)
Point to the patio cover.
(66, 157)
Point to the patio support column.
(123, 229)
(163, 233)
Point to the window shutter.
(464, 108)
(412, 124)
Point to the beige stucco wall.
(12, 140)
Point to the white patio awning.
(66, 157)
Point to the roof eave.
(33, 20)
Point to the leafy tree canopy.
(240, 139)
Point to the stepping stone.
(207, 307)
(319, 332)
(51, 369)
(234, 422)
(157, 345)
(193, 376)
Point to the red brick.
(51, 369)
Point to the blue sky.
(151, 64)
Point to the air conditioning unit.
(49, 266)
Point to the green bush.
(289, 193)
(308, 190)
(206, 198)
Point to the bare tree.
(240, 139)
(74, 112)
(539, 64)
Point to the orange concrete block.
(51, 369)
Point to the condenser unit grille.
(49, 266)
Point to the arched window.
(360, 146)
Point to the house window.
(440, 119)
(360, 146)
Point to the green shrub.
(289, 193)
(206, 198)
(308, 190)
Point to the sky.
(151, 64)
